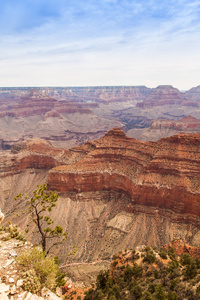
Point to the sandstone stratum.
(114, 193)
(163, 174)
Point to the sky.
(104, 42)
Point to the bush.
(14, 232)
(92, 294)
(173, 265)
(112, 298)
(163, 254)
(191, 271)
(160, 294)
(186, 259)
(31, 282)
(172, 254)
(172, 296)
(147, 296)
(102, 279)
(45, 268)
(136, 292)
(149, 257)
(128, 273)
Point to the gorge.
(114, 193)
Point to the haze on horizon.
(107, 42)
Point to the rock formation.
(37, 115)
(1, 216)
(163, 95)
(164, 128)
(70, 116)
(114, 193)
(194, 94)
(164, 174)
(181, 247)
(187, 123)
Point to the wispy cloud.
(79, 42)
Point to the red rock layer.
(36, 154)
(181, 247)
(163, 174)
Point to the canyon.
(124, 160)
(70, 116)
(114, 193)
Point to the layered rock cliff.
(164, 175)
(187, 123)
(114, 193)
(160, 128)
(70, 116)
(65, 122)
(165, 95)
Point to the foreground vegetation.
(35, 268)
(149, 274)
(38, 270)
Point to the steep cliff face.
(115, 193)
(163, 174)
(106, 94)
(36, 154)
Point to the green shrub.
(149, 257)
(46, 270)
(112, 297)
(136, 292)
(186, 259)
(137, 271)
(94, 294)
(31, 282)
(160, 294)
(163, 253)
(147, 296)
(172, 254)
(197, 261)
(128, 273)
(102, 279)
(172, 296)
(190, 271)
(14, 232)
(173, 265)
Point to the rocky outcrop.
(35, 154)
(1, 216)
(107, 94)
(160, 128)
(194, 94)
(114, 193)
(181, 247)
(163, 174)
(187, 123)
(163, 95)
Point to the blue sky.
(105, 42)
